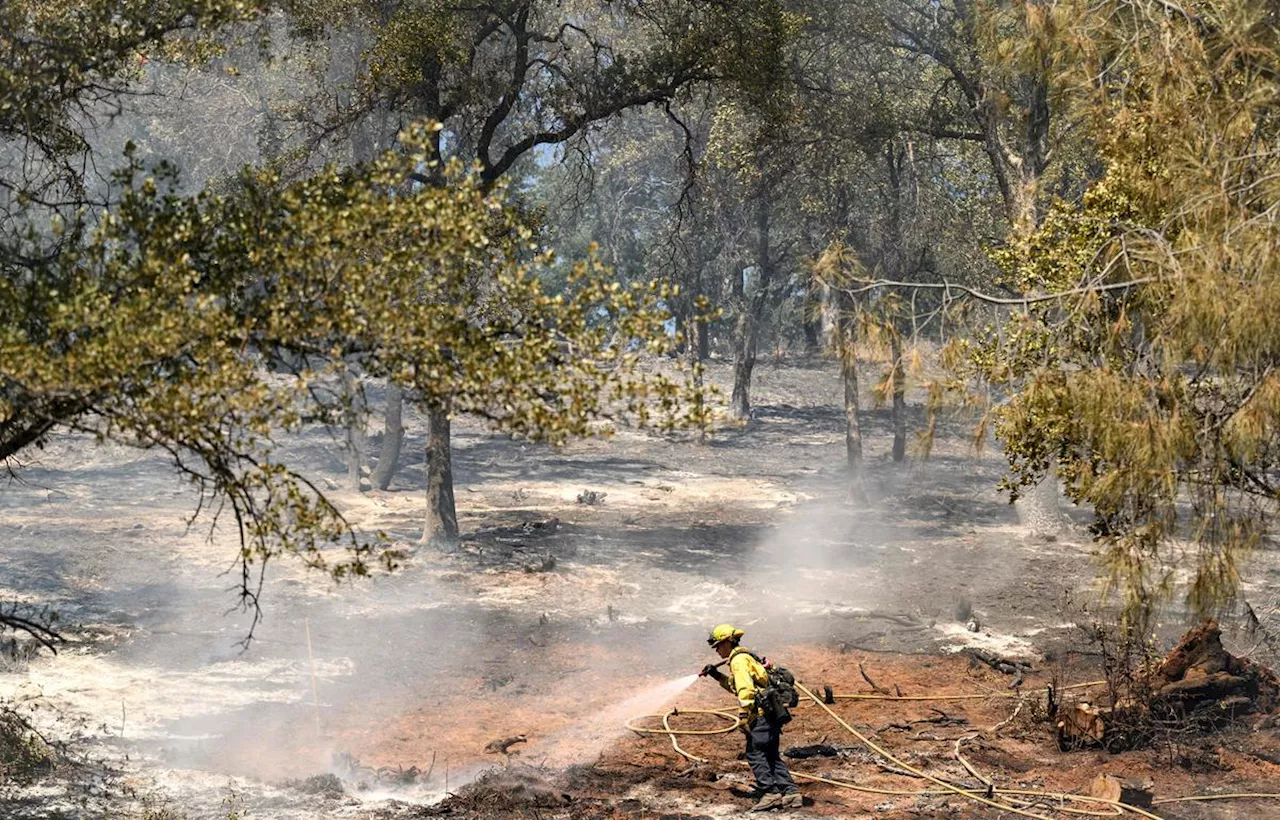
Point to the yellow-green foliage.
(163, 320)
(412, 36)
(150, 319)
(62, 55)
(1160, 401)
(154, 329)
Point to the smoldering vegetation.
(393, 394)
(417, 670)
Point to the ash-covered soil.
(1002, 736)
(552, 617)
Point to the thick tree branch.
(866, 285)
(519, 74)
(492, 173)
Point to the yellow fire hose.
(989, 696)
(1019, 796)
(972, 795)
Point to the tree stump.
(1199, 671)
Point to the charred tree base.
(1199, 686)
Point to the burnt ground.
(556, 617)
(645, 777)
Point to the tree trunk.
(744, 362)
(746, 335)
(852, 428)
(1023, 210)
(694, 354)
(1035, 156)
(899, 400)
(357, 418)
(392, 438)
(812, 331)
(1020, 175)
(738, 407)
(698, 323)
(829, 317)
(441, 527)
(847, 338)
(841, 313)
(895, 165)
(1039, 508)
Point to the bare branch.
(866, 286)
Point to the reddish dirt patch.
(643, 776)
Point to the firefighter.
(747, 676)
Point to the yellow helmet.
(724, 632)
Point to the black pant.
(764, 741)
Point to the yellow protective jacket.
(746, 676)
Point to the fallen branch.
(1004, 666)
(398, 776)
(942, 719)
(822, 749)
(895, 770)
(1266, 757)
(45, 634)
(907, 622)
(501, 745)
(875, 687)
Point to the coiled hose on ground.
(1017, 801)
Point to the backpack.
(779, 696)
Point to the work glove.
(744, 722)
(713, 672)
